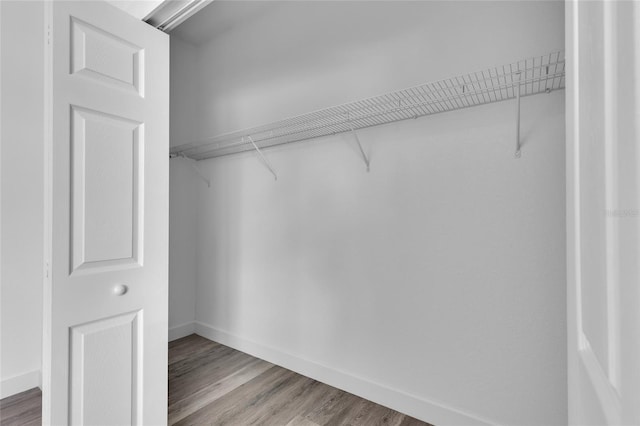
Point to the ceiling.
(219, 17)
(136, 8)
(212, 19)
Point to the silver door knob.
(120, 289)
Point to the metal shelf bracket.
(193, 166)
(518, 154)
(264, 159)
(364, 156)
(197, 170)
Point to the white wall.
(182, 192)
(182, 250)
(22, 186)
(184, 91)
(439, 273)
(435, 283)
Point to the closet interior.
(406, 247)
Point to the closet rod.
(535, 75)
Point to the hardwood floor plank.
(301, 421)
(231, 408)
(203, 372)
(189, 346)
(335, 410)
(212, 384)
(192, 402)
(291, 401)
(410, 421)
(21, 409)
(350, 413)
(373, 414)
(315, 412)
(386, 416)
(206, 358)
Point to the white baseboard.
(20, 383)
(181, 330)
(427, 410)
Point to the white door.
(105, 320)
(603, 232)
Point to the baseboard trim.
(430, 411)
(20, 383)
(182, 330)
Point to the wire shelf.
(540, 74)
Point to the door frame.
(48, 212)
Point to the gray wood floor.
(212, 384)
(22, 409)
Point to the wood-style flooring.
(212, 384)
(23, 409)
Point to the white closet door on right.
(603, 212)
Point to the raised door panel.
(107, 165)
(106, 57)
(106, 368)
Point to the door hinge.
(49, 34)
(46, 269)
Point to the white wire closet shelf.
(540, 74)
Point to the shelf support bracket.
(264, 159)
(518, 154)
(364, 156)
(195, 167)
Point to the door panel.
(96, 371)
(603, 212)
(106, 57)
(107, 187)
(105, 347)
